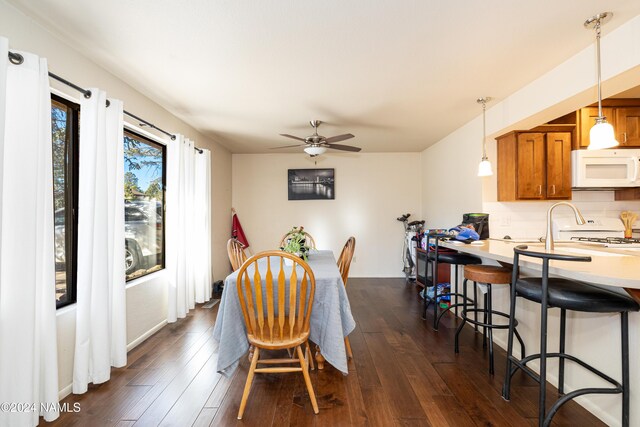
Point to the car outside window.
(65, 117)
(144, 184)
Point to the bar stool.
(489, 275)
(566, 295)
(456, 259)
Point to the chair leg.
(523, 352)
(506, 388)
(456, 346)
(542, 400)
(475, 303)
(435, 293)
(561, 348)
(347, 346)
(455, 289)
(307, 381)
(490, 322)
(484, 320)
(624, 328)
(425, 303)
(310, 354)
(247, 385)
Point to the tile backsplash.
(529, 219)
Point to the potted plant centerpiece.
(296, 243)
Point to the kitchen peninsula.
(608, 266)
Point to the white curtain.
(101, 310)
(188, 225)
(28, 349)
(202, 268)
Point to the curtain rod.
(18, 59)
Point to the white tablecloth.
(331, 318)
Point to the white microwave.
(613, 168)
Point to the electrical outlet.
(505, 220)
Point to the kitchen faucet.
(548, 241)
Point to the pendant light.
(484, 168)
(601, 134)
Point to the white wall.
(450, 185)
(371, 191)
(146, 297)
(568, 87)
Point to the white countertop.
(612, 267)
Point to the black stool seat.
(576, 296)
(455, 258)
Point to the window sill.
(66, 309)
(144, 279)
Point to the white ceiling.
(400, 75)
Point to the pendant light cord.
(597, 28)
(484, 101)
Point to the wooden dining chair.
(308, 238)
(235, 250)
(276, 304)
(344, 262)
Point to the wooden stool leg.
(247, 385)
(307, 381)
(319, 358)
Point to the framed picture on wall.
(311, 184)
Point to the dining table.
(331, 318)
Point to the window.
(144, 184)
(65, 117)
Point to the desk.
(331, 318)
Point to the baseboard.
(133, 344)
(66, 391)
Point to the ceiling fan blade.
(291, 136)
(339, 138)
(343, 147)
(287, 146)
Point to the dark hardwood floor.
(403, 374)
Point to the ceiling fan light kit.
(315, 150)
(315, 144)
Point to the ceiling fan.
(315, 144)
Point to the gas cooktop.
(610, 242)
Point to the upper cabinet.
(627, 126)
(534, 166)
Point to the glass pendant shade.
(484, 168)
(314, 150)
(601, 136)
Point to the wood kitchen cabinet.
(627, 126)
(534, 166)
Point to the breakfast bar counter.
(608, 266)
